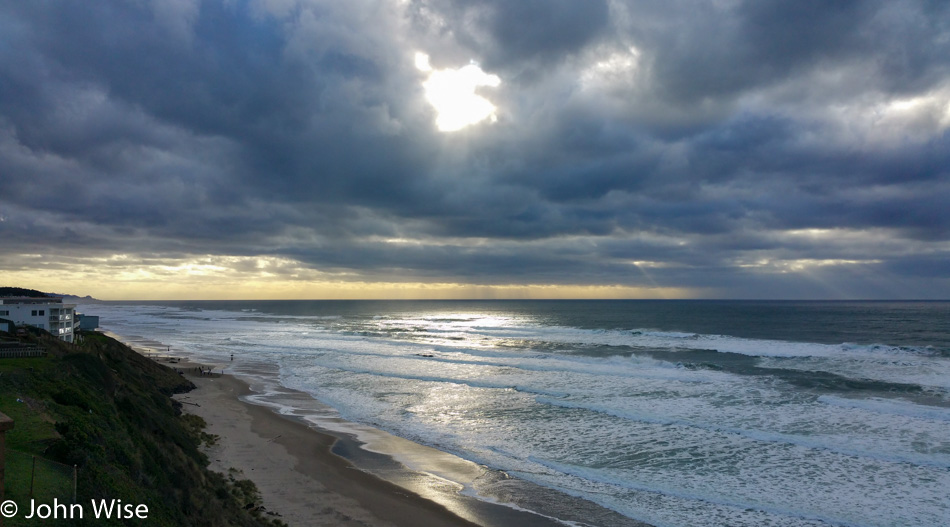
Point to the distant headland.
(23, 292)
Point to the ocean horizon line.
(645, 300)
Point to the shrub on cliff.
(106, 409)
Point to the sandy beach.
(303, 482)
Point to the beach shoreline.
(686, 423)
(329, 473)
(302, 481)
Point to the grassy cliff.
(107, 410)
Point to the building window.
(4, 312)
(33, 313)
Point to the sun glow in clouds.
(452, 94)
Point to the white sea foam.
(592, 413)
(892, 407)
(646, 338)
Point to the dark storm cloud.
(702, 51)
(745, 148)
(516, 33)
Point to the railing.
(18, 351)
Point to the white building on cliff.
(50, 314)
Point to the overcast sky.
(482, 148)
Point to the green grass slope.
(107, 410)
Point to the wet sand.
(305, 483)
(307, 477)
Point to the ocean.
(674, 413)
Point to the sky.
(227, 149)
